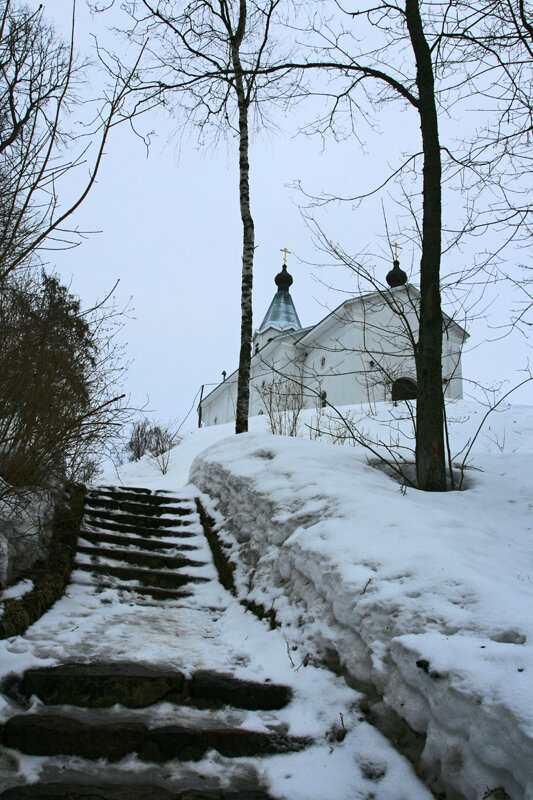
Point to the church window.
(323, 399)
(404, 389)
(216, 420)
(372, 364)
(323, 361)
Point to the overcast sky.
(170, 231)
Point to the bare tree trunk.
(248, 238)
(430, 458)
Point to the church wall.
(355, 358)
(358, 354)
(281, 356)
(219, 406)
(353, 355)
(452, 366)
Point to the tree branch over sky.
(40, 81)
(209, 62)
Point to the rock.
(78, 791)
(49, 735)
(103, 685)
(214, 688)
(174, 741)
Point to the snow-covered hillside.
(424, 599)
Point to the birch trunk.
(430, 457)
(248, 239)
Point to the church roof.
(281, 313)
(309, 334)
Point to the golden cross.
(396, 248)
(285, 251)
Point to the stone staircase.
(140, 538)
(141, 544)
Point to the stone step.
(126, 791)
(134, 541)
(137, 521)
(140, 509)
(54, 734)
(147, 577)
(119, 527)
(101, 685)
(134, 685)
(140, 558)
(149, 591)
(209, 689)
(136, 495)
(112, 488)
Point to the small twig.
(305, 662)
(293, 665)
(364, 590)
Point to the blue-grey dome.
(281, 313)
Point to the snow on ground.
(424, 598)
(209, 630)
(25, 529)
(17, 590)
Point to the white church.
(362, 352)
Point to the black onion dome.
(396, 277)
(283, 279)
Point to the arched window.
(404, 389)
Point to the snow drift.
(25, 531)
(423, 599)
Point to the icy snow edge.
(423, 597)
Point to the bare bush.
(155, 439)
(283, 401)
(139, 442)
(162, 440)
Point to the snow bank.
(25, 530)
(425, 599)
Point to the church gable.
(361, 352)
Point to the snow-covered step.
(145, 593)
(78, 790)
(141, 522)
(140, 558)
(137, 685)
(141, 542)
(140, 509)
(163, 579)
(181, 527)
(137, 496)
(55, 734)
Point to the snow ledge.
(416, 595)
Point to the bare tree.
(210, 61)
(61, 403)
(499, 38)
(404, 51)
(40, 81)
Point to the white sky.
(170, 230)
